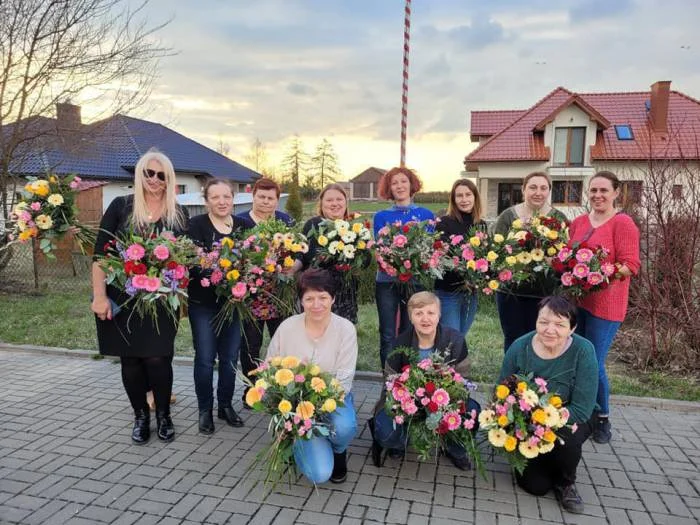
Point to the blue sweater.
(402, 214)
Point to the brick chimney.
(68, 116)
(658, 113)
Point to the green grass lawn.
(63, 319)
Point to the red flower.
(462, 407)
(405, 277)
(430, 387)
(573, 262)
(129, 267)
(558, 266)
(184, 282)
(442, 427)
(405, 367)
(406, 228)
(521, 242)
(424, 266)
(171, 265)
(437, 245)
(432, 407)
(140, 269)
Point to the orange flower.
(305, 410)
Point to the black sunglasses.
(152, 173)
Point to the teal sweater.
(573, 375)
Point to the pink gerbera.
(400, 393)
(581, 270)
(567, 279)
(584, 255)
(440, 397)
(452, 420)
(152, 284)
(564, 254)
(135, 252)
(595, 278)
(607, 268)
(139, 282)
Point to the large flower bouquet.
(412, 252)
(47, 211)
(344, 245)
(523, 418)
(527, 248)
(299, 398)
(152, 270)
(431, 399)
(583, 269)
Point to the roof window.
(624, 132)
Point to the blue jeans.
(458, 309)
(314, 457)
(209, 346)
(390, 300)
(601, 333)
(395, 436)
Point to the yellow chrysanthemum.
(227, 242)
(254, 395)
(276, 361)
(517, 224)
(493, 284)
(475, 241)
(538, 416)
(357, 227)
(502, 421)
(233, 275)
(498, 238)
(296, 247)
(502, 391)
(225, 263)
(318, 385)
(340, 245)
(261, 383)
(288, 262)
(55, 199)
(491, 256)
(497, 437)
(555, 401)
(537, 254)
(335, 383)
(322, 240)
(511, 260)
(511, 444)
(44, 222)
(284, 407)
(305, 410)
(284, 376)
(551, 251)
(329, 405)
(288, 244)
(314, 370)
(290, 361)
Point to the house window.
(567, 192)
(677, 192)
(624, 132)
(181, 188)
(569, 146)
(509, 194)
(630, 193)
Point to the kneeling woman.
(319, 336)
(426, 335)
(568, 362)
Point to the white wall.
(124, 187)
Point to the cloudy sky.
(332, 68)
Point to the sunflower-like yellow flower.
(288, 244)
(361, 245)
(549, 436)
(270, 268)
(284, 407)
(527, 450)
(329, 405)
(55, 199)
(538, 416)
(225, 263)
(254, 395)
(535, 221)
(288, 262)
(227, 242)
(290, 361)
(555, 401)
(284, 376)
(545, 447)
(318, 385)
(44, 222)
(322, 240)
(497, 437)
(511, 444)
(502, 391)
(27, 234)
(502, 421)
(305, 410)
(521, 387)
(233, 275)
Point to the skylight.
(624, 132)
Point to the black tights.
(141, 374)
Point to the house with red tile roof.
(571, 136)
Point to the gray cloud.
(301, 89)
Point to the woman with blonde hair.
(145, 346)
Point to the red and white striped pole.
(404, 91)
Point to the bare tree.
(256, 159)
(222, 147)
(324, 165)
(61, 50)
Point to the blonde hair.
(421, 299)
(172, 216)
(337, 187)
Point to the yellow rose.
(284, 376)
(284, 407)
(340, 245)
(471, 265)
(538, 416)
(517, 224)
(288, 262)
(537, 254)
(254, 395)
(493, 284)
(225, 263)
(551, 251)
(511, 443)
(498, 238)
(305, 410)
(555, 401)
(502, 421)
(335, 383)
(233, 275)
(290, 361)
(227, 242)
(502, 392)
(261, 383)
(552, 234)
(329, 405)
(53, 179)
(475, 241)
(357, 227)
(55, 199)
(322, 240)
(276, 361)
(314, 370)
(270, 268)
(491, 256)
(511, 260)
(560, 245)
(361, 245)
(318, 385)
(44, 222)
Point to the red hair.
(384, 186)
(266, 184)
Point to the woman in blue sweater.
(398, 185)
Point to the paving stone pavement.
(66, 457)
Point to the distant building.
(364, 185)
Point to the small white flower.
(348, 237)
(349, 251)
(333, 248)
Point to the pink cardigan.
(620, 236)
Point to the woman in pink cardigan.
(601, 313)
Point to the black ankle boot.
(377, 449)
(142, 426)
(164, 426)
(228, 414)
(206, 422)
(340, 467)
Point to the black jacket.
(448, 342)
(448, 226)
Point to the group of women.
(550, 337)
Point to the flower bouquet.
(47, 211)
(299, 398)
(476, 258)
(344, 245)
(152, 270)
(412, 252)
(583, 269)
(523, 418)
(431, 398)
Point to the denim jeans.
(390, 300)
(209, 346)
(601, 333)
(518, 316)
(394, 436)
(457, 309)
(314, 457)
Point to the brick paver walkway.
(66, 457)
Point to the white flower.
(55, 199)
(497, 437)
(365, 235)
(349, 251)
(349, 236)
(552, 418)
(333, 248)
(340, 224)
(331, 234)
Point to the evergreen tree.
(294, 205)
(324, 165)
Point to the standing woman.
(458, 305)
(266, 197)
(332, 205)
(146, 349)
(398, 185)
(204, 305)
(601, 313)
(517, 309)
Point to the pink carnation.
(400, 241)
(425, 401)
(539, 431)
(456, 239)
(564, 254)
(468, 424)
(299, 378)
(135, 252)
(482, 265)
(409, 407)
(505, 276)
(216, 277)
(398, 420)
(36, 206)
(509, 249)
(420, 391)
(180, 271)
(288, 426)
(467, 254)
(425, 364)
(542, 385)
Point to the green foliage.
(294, 206)
(427, 197)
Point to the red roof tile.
(485, 123)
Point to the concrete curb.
(376, 377)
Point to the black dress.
(127, 335)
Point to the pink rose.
(73, 185)
(482, 265)
(299, 378)
(468, 424)
(161, 252)
(425, 364)
(239, 290)
(505, 276)
(398, 420)
(420, 391)
(468, 254)
(425, 401)
(400, 241)
(409, 407)
(288, 426)
(456, 239)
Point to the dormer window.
(569, 146)
(624, 132)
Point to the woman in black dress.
(146, 351)
(204, 305)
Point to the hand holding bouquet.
(299, 398)
(522, 420)
(344, 245)
(583, 269)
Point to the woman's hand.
(102, 307)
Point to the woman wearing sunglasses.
(146, 353)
